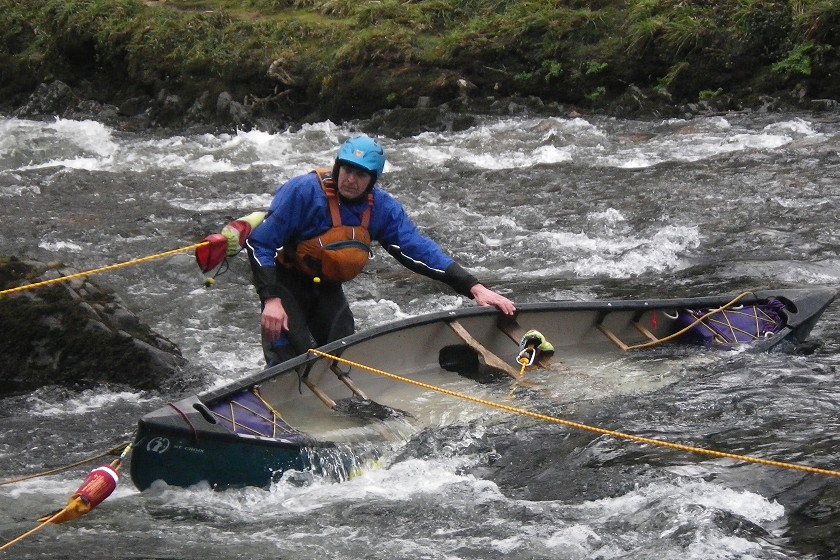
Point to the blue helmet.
(363, 152)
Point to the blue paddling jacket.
(300, 211)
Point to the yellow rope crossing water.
(114, 451)
(578, 426)
(87, 273)
(86, 498)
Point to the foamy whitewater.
(540, 208)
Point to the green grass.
(351, 56)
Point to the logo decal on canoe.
(158, 445)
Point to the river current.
(540, 208)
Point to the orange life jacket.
(340, 253)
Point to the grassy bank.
(342, 58)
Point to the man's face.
(352, 181)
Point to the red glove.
(212, 254)
(228, 243)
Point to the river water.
(541, 208)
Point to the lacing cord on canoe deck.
(278, 425)
(697, 320)
(578, 426)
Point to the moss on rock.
(74, 334)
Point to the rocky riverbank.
(409, 66)
(59, 100)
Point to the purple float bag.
(736, 325)
(247, 413)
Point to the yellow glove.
(237, 231)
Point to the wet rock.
(167, 108)
(124, 319)
(200, 109)
(75, 334)
(134, 106)
(456, 115)
(223, 102)
(142, 112)
(57, 99)
(825, 105)
(233, 113)
(403, 122)
(48, 99)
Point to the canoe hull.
(288, 427)
(184, 449)
(183, 461)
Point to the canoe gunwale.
(802, 316)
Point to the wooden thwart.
(618, 342)
(609, 334)
(318, 392)
(349, 382)
(491, 359)
(644, 331)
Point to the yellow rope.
(611, 433)
(31, 531)
(124, 449)
(113, 451)
(103, 269)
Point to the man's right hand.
(274, 320)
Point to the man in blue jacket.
(317, 235)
